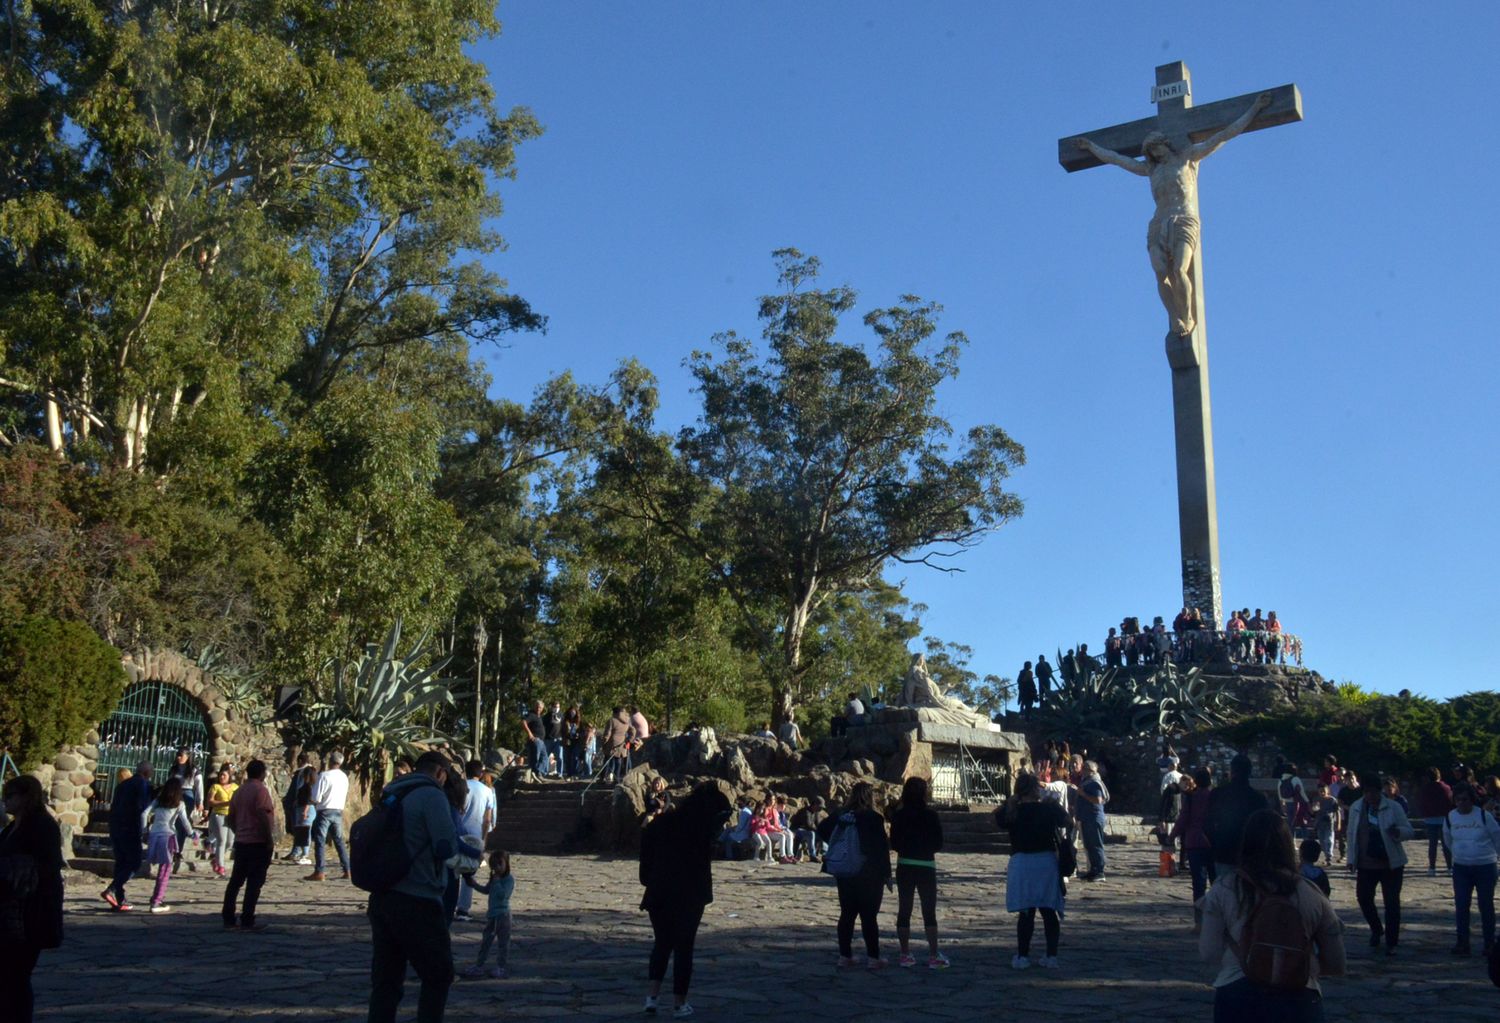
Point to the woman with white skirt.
(1033, 881)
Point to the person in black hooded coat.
(31, 893)
(677, 871)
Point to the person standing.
(554, 726)
(790, 733)
(1026, 688)
(640, 728)
(497, 921)
(860, 891)
(573, 742)
(252, 815)
(1474, 838)
(1229, 807)
(408, 924)
(536, 738)
(617, 745)
(330, 795)
(31, 892)
(1033, 880)
(917, 838)
(1434, 800)
(1043, 680)
(302, 775)
(186, 769)
(477, 820)
(219, 835)
(1377, 827)
(131, 800)
(1267, 869)
(1197, 850)
(677, 873)
(1093, 797)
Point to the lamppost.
(481, 640)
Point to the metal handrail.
(8, 767)
(603, 766)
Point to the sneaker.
(846, 963)
(496, 973)
(875, 964)
(1376, 937)
(1047, 962)
(471, 972)
(906, 960)
(109, 896)
(1020, 963)
(160, 907)
(316, 875)
(938, 962)
(683, 1011)
(1432, 871)
(124, 907)
(344, 876)
(650, 1007)
(304, 862)
(460, 914)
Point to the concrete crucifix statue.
(1171, 145)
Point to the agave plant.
(1177, 702)
(245, 690)
(373, 705)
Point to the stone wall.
(69, 779)
(1134, 780)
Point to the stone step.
(104, 866)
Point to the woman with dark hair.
(861, 887)
(1196, 848)
(1474, 837)
(1032, 880)
(917, 836)
(1267, 870)
(31, 892)
(677, 871)
(1377, 827)
(572, 737)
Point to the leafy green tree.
(817, 462)
(57, 680)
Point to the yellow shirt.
(221, 794)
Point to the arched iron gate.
(152, 722)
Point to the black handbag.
(1067, 852)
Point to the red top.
(251, 812)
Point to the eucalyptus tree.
(816, 462)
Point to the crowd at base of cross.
(1266, 922)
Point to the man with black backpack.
(401, 854)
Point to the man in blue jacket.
(126, 811)
(408, 923)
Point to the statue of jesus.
(1172, 236)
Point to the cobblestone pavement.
(766, 952)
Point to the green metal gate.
(152, 722)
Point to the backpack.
(1288, 790)
(844, 857)
(378, 860)
(1275, 950)
(1067, 852)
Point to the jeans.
(555, 749)
(251, 861)
(407, 929)
(128, 855)
(1245, 1002)
(1091, 828)
(1435, 839)
(539, 756)
(1201, 867)
(807, 838)
(497, 933)
(675, 928)
(1466, 880)
(1325, 838)
(329, 823)
(861, 897)
(1389, 881)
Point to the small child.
(496, 918)
(1310, 851)
(306, 813)
(163, 819)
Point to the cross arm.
(1197, 123)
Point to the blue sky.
(1349, 268)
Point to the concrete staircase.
(92, 851)
(971, 829)
(541, 817)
